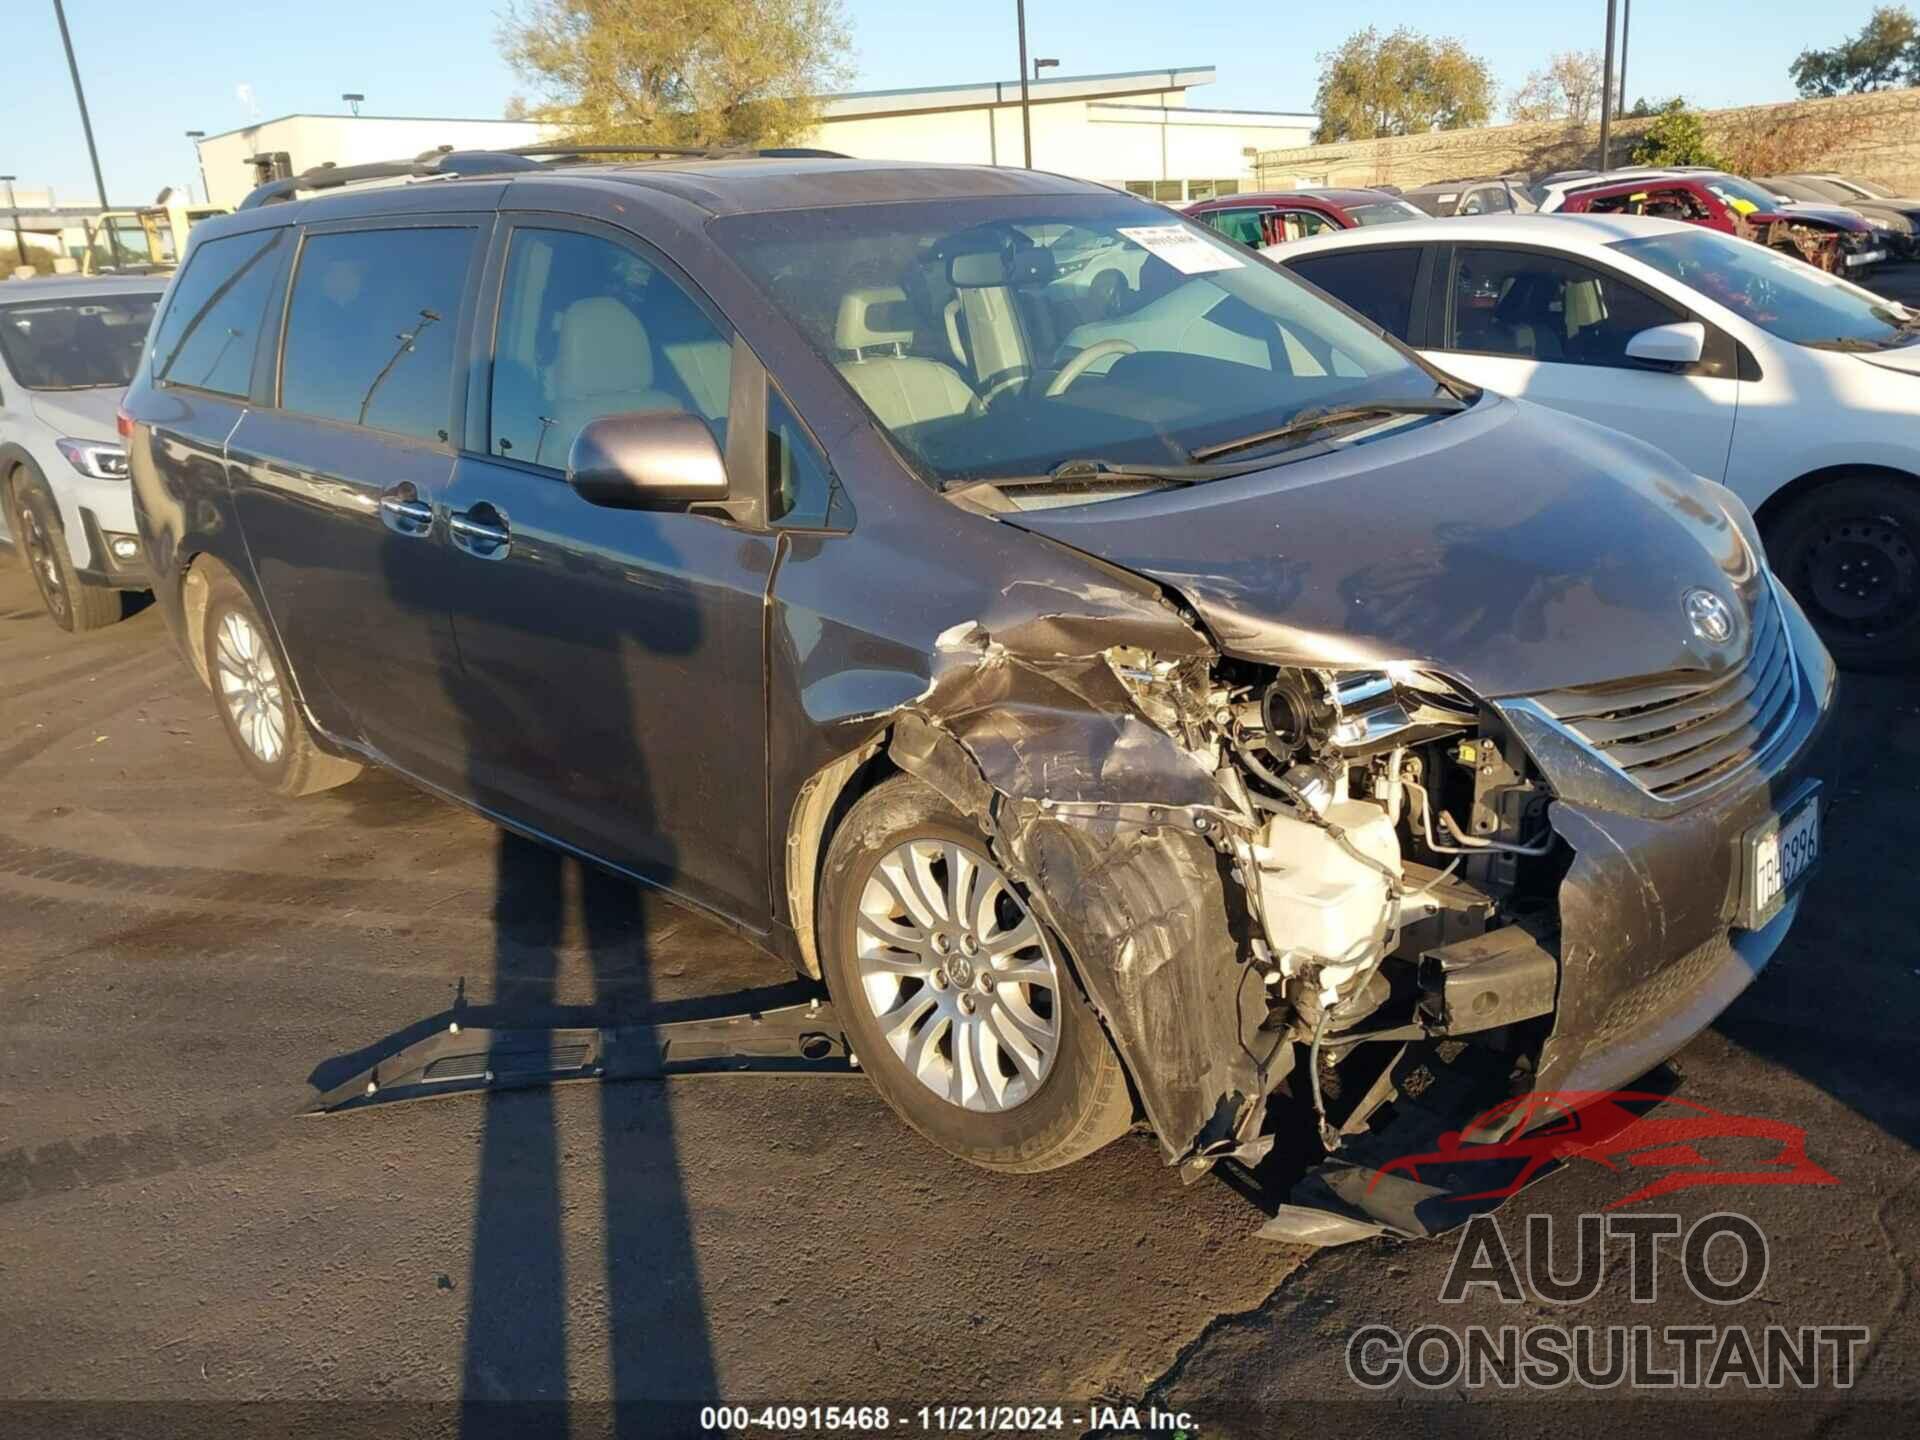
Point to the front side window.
(1388, 210)
(1377, 283)
(75, 344)
(802, 489)
(370, 328)
(1780, 293)
(1241, 225)
(590, 328)
(984, 355)
(1300, 225)
(207, 337)
(1544, 307)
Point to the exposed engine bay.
(1394, 858)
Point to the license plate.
(1781, 853)
(1867, 257)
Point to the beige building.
(1133, 129)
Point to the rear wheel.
(1850, 552)
(72, 603)
(956, 999)
(254, 692)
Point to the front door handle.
(481, 531)
(405, 512)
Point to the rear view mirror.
(646, 459)
(1681, 344)
(991, 269)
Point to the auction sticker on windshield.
(1187, 251)
(1780, 854)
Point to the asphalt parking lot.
(185, 959)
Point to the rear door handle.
(481, 531)
(405, 512)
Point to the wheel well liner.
(196, 583)
(1795, 490)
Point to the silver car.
(68, 347)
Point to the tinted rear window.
(1377, 283)
(208, 333)
(370, 328)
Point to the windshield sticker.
(1188, 252)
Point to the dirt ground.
(184, 960)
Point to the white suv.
(1798, 390)
(68, 347)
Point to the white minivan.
(1798, 390)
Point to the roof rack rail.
(445, 160)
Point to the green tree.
(1676, 137)
(1400, 84)
(1886, 53)
(678, 72)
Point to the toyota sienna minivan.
(1134, 687)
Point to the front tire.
(72, 603)
(1850, 553)
(958, 1002)
(253, 692)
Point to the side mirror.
(645, 460)
(1681, 344)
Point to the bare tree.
(1569, 89)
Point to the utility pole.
(1606, 88)
(206, 196)
(1626, 24)
(1026, 115)
(86, 123)
(19, 240)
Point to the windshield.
(1781, 294)
(1001, 338)
(76, 343)
(1384, 212)
(1743, 195)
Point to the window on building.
(1179, 192)
(371, 325)
(207, 335)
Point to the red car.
(1837, 241)
(1277, 216)
(1690, 1143)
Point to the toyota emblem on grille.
(1710, 616)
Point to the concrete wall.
(1876, 137)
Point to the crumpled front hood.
(80, 414)
(1513, 548)
(1839, 217)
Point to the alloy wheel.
(958, 974)
(42, 560)
(250, 687)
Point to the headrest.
(879, 315)
(602, 346)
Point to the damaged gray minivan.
(1138, 689)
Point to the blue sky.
(154, 71)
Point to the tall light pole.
(1626, 24)
(1026, 115)
(353, 99)
(19, 240)
(1606, 89)
(206, 195)
(1039, 65)
(86, 123)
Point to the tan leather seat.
(876, 325)
(602, 365)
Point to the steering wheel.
(1085, 360)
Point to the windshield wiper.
(1084, 471)
(1320, 418)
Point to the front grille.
(1676, 735)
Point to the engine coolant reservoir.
(1314, 896)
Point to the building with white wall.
(1133, 129)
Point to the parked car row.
(1129, 679)
(1798, 390)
